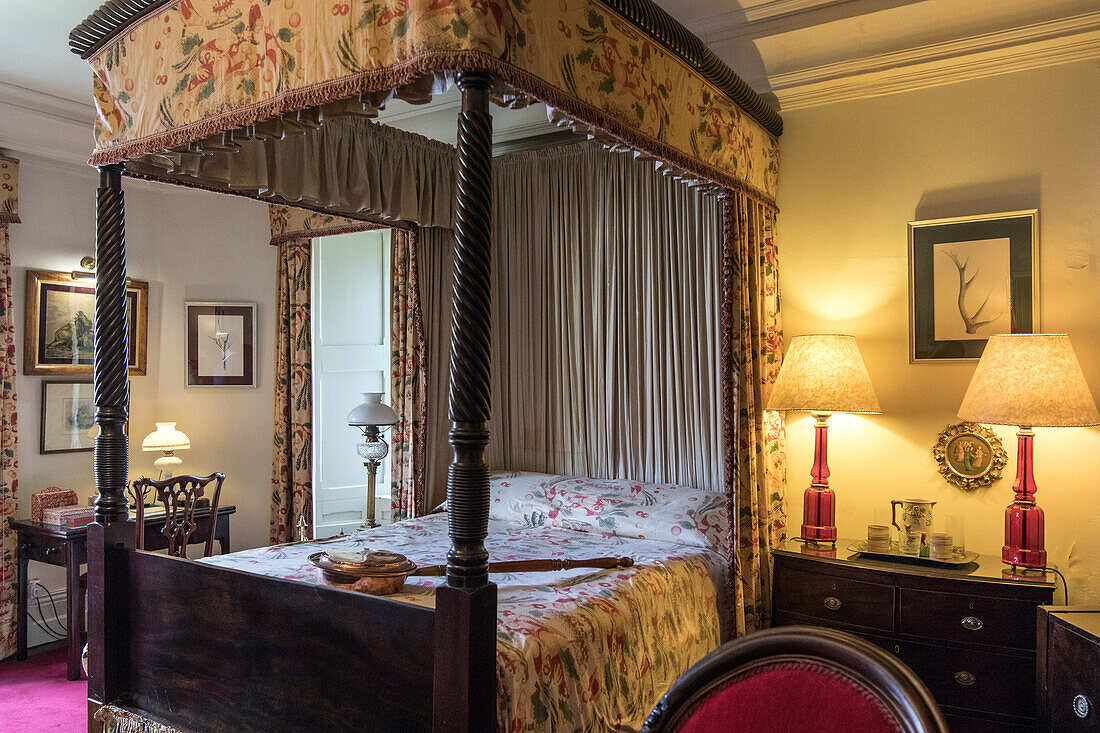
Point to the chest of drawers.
(1068, 673)
(969, 633)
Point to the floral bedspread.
(579, 650)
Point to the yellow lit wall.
(852, 175)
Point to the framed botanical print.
(59, 325)
(971, 278)
(68, 416)
(221, 344)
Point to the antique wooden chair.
(797, 678)
(180, 496)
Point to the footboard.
(208, 648)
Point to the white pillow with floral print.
(664, 512)
(520, 497)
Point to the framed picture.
(221, 344)
(970, 278)
(59, 324)
(68, 412)
(969, 455)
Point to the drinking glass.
(955, 525)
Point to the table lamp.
(822, 374)
(1028, 380)
(372, 417)
(167, 440)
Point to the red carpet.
(35, 697)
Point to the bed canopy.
(273, 100)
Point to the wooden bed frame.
(208, 648)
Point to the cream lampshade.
(1028, 380)
(372, 417)
(167, 440)
(822, 374)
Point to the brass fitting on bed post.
(468, 476)
(111, 385)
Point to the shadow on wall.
(1013, 194)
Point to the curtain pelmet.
(292, 449)
(756, 465)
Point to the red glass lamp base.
(819, 514)
(1024, 540)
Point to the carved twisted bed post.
(112, 533)
(465, 636)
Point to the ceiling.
(799, 53)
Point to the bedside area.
(968, 632)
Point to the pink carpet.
(35, 697)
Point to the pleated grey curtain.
(435, 265)
(606, 319)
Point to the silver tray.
(860, 546)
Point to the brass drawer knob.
(972, 623)
(832, 603)
(965, 678)
(1081, 706)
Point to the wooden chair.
(797, 678)
(179, 496)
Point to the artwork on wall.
(970, 278)
(969, 455)
(59, 324)
(68, 416)
(221, 344)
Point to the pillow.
(664, 512)
(520, 497)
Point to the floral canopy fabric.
(191, 70)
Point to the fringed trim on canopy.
(9, 191)
(289, 223)
(190, 70)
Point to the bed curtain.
(751, 353)
(9, 485)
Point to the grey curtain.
(349, 166)
(606, 321)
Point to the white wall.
(852, 175)
(189, 246)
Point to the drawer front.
(837, 600)
(968, 724)
(974, 680)
(1073, 681)
(973, 619)
(47, 552)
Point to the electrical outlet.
(37, 590)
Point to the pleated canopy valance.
(204, 75)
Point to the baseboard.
(35, 635)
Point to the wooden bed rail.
(211, 648)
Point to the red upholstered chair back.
(797, 678)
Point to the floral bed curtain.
(408, 379)
(751, 354)
(9, 214)
(292, 455)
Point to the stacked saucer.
(941, 546)
(878, 538)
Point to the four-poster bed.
(204, 93)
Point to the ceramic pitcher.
(916, 522)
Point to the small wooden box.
(50, 498)
(69, 516)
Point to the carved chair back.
(179, 495)
(797, 678)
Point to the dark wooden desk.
(968, 632)
(67, 547)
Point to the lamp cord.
(1065, 586)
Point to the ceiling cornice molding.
(14, 95)
(1038, 45)
(755, 20)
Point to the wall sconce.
(87, 271)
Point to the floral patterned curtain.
(751, 353)
(9, 214)
(408, 379)
(292, 455)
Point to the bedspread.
(578, 650)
